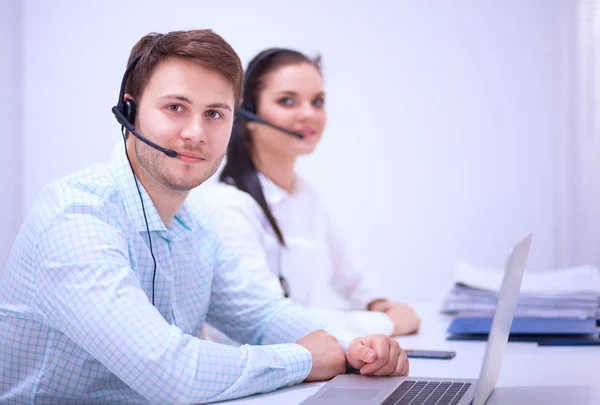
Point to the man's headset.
(125, 111)
(247, 111)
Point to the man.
(112, 275)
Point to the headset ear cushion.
(129, 110)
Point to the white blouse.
(314, 262)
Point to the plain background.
(454, 128)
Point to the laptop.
(356, 389)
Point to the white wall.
(10, 125)
(442, 137)
(584, 221)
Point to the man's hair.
(203, 47)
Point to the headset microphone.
(246, 110)
(250, 116)
(123, 121)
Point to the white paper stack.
(572, 292)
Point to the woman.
(274, 219)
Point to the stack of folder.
(555, 307)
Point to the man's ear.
(128, 96)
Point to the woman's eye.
(213, 114)
(286, 101)
(319, 102)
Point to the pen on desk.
(429, 354)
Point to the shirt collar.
(275, 194)
(182, 224)
(122, 172)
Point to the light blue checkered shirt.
(76, 321)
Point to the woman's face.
(292, 97)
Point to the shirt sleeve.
(234, 216)
(87, 290)
(348, 278)
(358, 323)
(247, 312)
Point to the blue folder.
(545, 331)
(541, 340)
(528, 325)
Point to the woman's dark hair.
(240, 169)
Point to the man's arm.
(247, 312)
(87, 290)
(250, 313)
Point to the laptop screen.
(503, 317)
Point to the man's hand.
(328, 357)
(405, 319)
(377, 355)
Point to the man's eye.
(175, 108)
(213, 114)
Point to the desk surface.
(524, 364)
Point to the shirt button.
(291, 384)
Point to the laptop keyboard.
(427, 393)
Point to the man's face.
(189, 109)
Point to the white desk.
(525, 364)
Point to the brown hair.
(204, 47)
